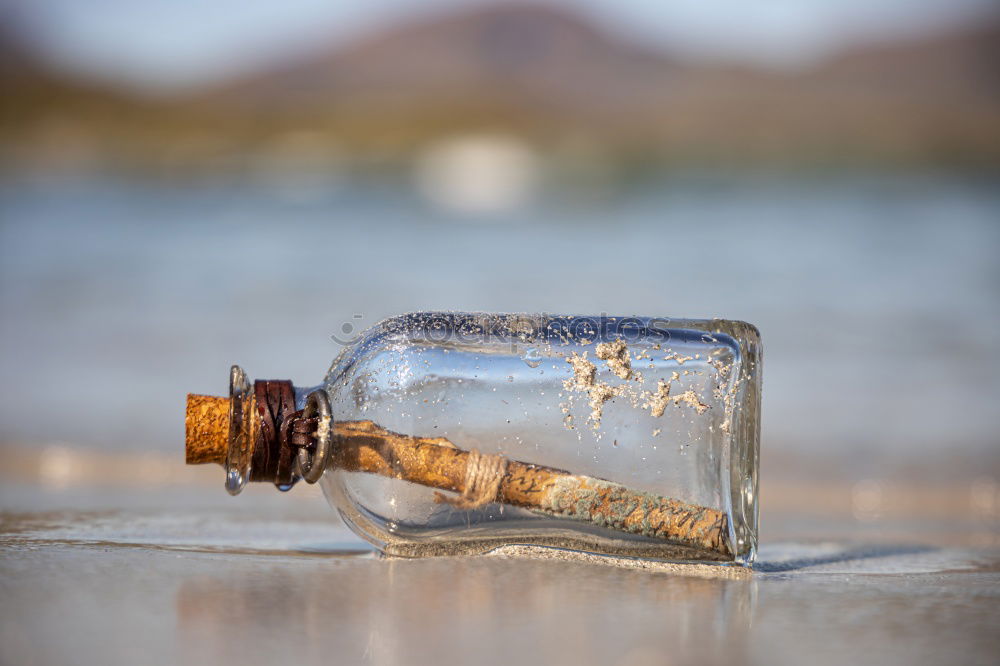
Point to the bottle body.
(654, 409)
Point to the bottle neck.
(267, 431)
(274, 456)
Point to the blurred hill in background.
(559, 85)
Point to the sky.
(170, 44)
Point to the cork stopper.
(206, 425)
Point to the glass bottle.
(444, 433)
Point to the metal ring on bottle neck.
(312, 463)
(239, 447)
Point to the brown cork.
(206, 426)
(364, 446)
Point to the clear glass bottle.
(444, 433)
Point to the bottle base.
(559, 551)
(549, 546)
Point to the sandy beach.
(174, 571)
(880, 509)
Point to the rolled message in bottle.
(363, 446)
(436, 462)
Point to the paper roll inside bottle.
(363, 446)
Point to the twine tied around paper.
(483, 476)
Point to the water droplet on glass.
(532, 357)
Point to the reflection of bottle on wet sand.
(359, 609)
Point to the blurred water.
(877, 296)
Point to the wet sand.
(166, 573)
